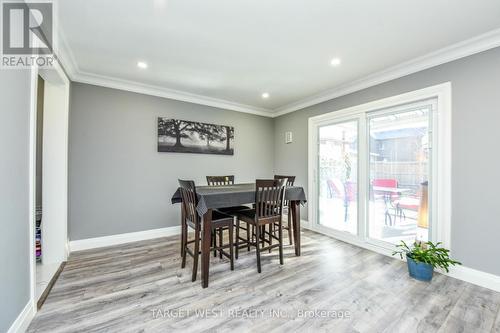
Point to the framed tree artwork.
(182, 136)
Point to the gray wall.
(14, 194)
(475, 159)
(119, 183)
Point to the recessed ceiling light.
(335, 62)
(265, 95)
(142, 64)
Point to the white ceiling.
(234, 50)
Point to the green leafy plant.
(428, 253)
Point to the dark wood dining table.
(213, 197)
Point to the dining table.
(223, 196)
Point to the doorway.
(49, 161)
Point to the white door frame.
(441, 162)
(55, 76)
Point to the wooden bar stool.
(268, 211)
(223, 181)
(286, 210)
(220, 222)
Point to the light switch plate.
(288, 137)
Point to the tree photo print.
(181, 136)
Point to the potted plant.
(422, 258)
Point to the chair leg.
(184, 244)
(196, 252)
(388, 217)
(231, 246)
(271, 227)
(280, 236)
(183, 232)
(257, 247)
(183, 264)
(221, 239)
(214, 242)
(249, 239)
(289, 219)
(237, 244)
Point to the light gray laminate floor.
(140, 287)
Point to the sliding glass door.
(373, 174)
(338, 174)
(399, 174)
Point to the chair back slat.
(189, 199)
(289, 179)
(289, 182)
(220, 180)
(269, 198)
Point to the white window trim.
(441, 162)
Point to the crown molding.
(132, 86)
(65, 56)
(456, 51)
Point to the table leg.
(295, 210)
(205, 247)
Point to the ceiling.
(228, 52)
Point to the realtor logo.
(27, 34)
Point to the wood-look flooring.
(140, 287)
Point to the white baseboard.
(463, 273)
(97, 242)
(20, 325)
(92, 243)
(476, 277)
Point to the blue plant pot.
(419, 270)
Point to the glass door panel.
(337, 176)
(399, 175)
